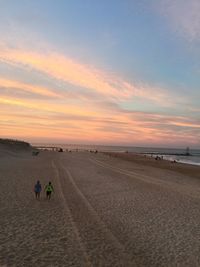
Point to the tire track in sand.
(85, 261)
(184, 189)
(101, 246)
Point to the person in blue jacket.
(37, 189)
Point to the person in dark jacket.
(37, 189)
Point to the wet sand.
(106, 211)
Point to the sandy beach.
(107, 210)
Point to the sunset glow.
(84, 79)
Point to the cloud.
(49, 107)
(65, 69)
(160, 121)
(88, 124)
(14, 85)
(183, 15)
(82, 102)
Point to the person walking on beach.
(49, 189)
(37, 189)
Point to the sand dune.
(106, 211)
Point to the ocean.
(170, 154)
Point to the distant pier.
(51, 148)
(186, 153)
(167, 154)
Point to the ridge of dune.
(14, 143)
(13, 147)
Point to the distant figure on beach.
(37, 189)
(49, 189)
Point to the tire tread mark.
(68, 212)
(147, 179)
(101, 243)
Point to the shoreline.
(141, 159)
(191, 157)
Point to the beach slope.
(106, 211)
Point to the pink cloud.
(89, 125)
(20, 86)
(63, 68)
(183, 16)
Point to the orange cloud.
(17, 85)
(68, 70)
(186, 124)
(58, 117)
(74, 123)
(64, 108)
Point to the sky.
(117, 72)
